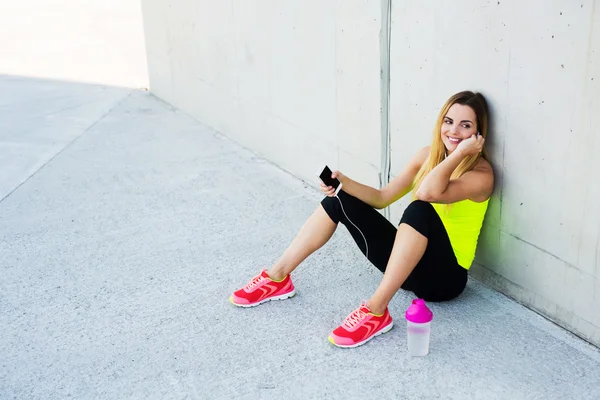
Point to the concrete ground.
(125, 225)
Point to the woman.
(434, 245)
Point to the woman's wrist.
(458, 154)
(344, 179)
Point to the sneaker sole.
(280, 297)
(349, 346)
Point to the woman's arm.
(397, 188)
(403, 182)
(365, 193)
(476, 185)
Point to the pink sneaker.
(360, 327)
(261, 289)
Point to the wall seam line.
(384, 74)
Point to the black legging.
(437, 276)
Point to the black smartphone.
(326, 178)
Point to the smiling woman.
(434, 245)
(464, 118)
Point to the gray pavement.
(125, 225)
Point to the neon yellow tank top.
(463, 221)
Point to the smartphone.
(326, 178)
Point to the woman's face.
(458, 124)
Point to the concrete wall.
(538, 64)
(299, 82)
(299, 87)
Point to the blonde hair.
(438, 151)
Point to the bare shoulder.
(485, 172)
(421, 156)
(484, 166)
(424, 152)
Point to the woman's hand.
(471, 146)
(329, 190)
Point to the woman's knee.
(326, 202)
(419, 207)
(419, 215)
(331, 207)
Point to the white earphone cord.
(365, 239)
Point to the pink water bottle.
(418, 319)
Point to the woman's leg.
(363, 222)
(371, 231)
(422, 260)
(408, 250)
(317, 230)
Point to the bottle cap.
(418, 312)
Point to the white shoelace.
(254, 282)
(354, 318)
